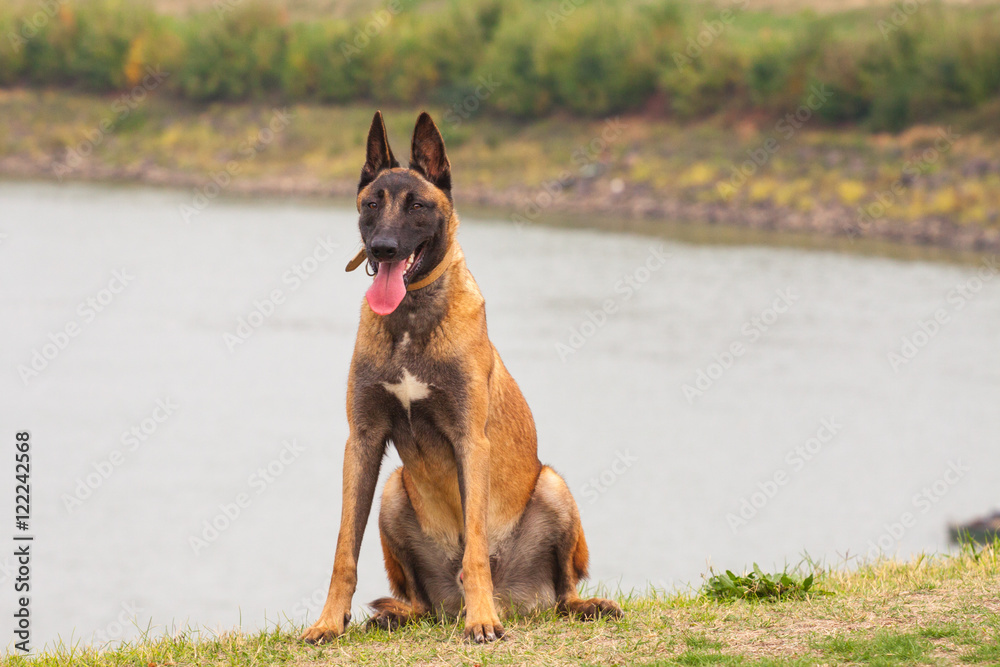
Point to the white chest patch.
(408, 390)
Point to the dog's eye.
(415, 205)
(372, 205)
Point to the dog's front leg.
(481, 621)
(362, 460)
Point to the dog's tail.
(581, 557)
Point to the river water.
(709, 405)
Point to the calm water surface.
(807, 440)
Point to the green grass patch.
(987, 653)
(942, 631)
(986, 649)
(717, 658)
(702, 642)
(881, 649)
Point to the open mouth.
(390, 280)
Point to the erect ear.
(427, 154)
(379, 156)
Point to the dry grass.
(933, 610)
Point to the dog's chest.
(408, 389)
(413, 392)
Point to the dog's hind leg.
(571, 555)
(402, 541)
(541, 563)
(573, 569)
(390, 613)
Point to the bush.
(85, 45)
(838, 69)
(104, 33)
(512, 58)
(589, 59)
(238, 56)
(320, 64)
(12, 51)
(706, 84)
(600, 61)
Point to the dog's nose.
(384, 249)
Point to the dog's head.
(407, 218)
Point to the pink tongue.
(388, 290)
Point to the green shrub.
(600, 61)
(512, 58)
(779, 74)
(422, 55)
(321, 65)
(104, 33)
(885, 69)
(12, 50)
(960, 66)
(238, 56)
(709, 83)
(86, 45)
(838, 69)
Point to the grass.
(883, 648)
(941, 610)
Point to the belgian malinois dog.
(472, 520)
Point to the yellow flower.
(134, 61)
(944, 201)
(851, 192)
(762, 188)
(699, 174)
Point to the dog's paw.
(325, 630)
(484, 631)
(389, 614)
(594, 608)
(384, 620)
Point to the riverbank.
(932, 610)
(931, 185)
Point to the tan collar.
(436, 273)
